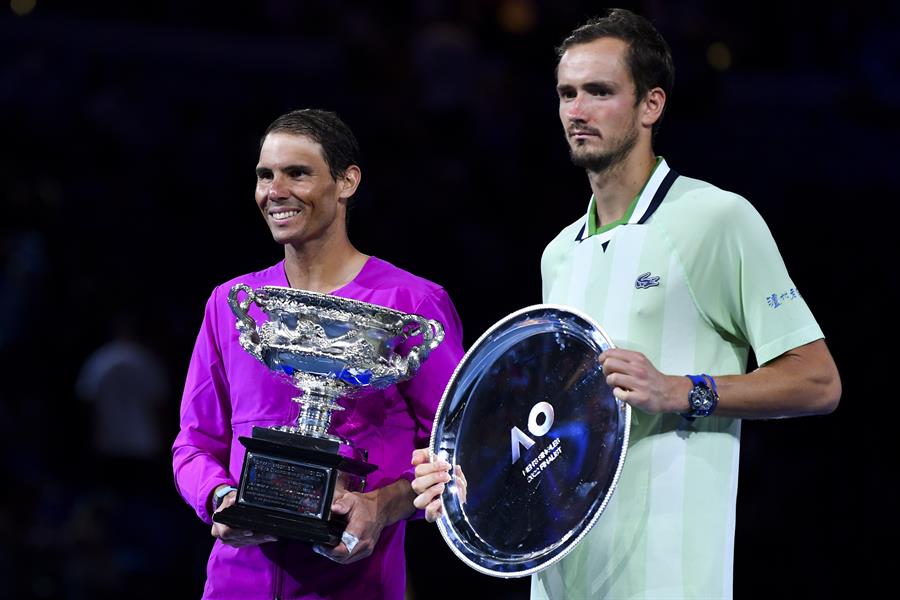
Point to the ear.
(652, 107)
(349, 181)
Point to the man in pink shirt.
(307, 174)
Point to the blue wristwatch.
(703, 397)
(220, 494)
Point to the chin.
(583, 154)
(281, 237)
(585, 151)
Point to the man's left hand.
(364, 523)
(636, 381)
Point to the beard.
(598, 161)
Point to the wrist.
(218, 495)
(703, 397)
(395, 501)
(680, 389)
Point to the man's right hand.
(237, 538)
(431, 477)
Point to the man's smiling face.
(295, 191)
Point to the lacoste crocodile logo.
(646, 280)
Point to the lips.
(283, 214)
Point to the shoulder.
(380, 273)
(694, 194)
(563, 240)
(380, 279)
(696, 205)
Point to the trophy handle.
(246, 325)
(432, 333)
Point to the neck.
(322, 266)
(615, 188)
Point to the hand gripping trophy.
(330, 348)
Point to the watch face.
(701, 398)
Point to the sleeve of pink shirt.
(424, 391)
(201, 449)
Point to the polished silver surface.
(535, 438)
(329, 346)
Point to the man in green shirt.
(686, 279)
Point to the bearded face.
(598, 107)
(598, 158)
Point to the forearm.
(803, 381)
(199, 460)
(395, 501)
(196, 478)
(202, 448)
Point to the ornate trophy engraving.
(330, 348)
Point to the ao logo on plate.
(518, 437)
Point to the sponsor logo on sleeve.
(775, 300)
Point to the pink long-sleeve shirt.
(228, 392)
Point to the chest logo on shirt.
(646, 280)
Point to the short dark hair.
(649, 58)
(339, 146)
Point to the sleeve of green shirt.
(741, 283)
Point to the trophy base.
(281, 525)
(288, 482)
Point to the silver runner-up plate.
(535, 439)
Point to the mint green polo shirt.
(692, 278)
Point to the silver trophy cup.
(329, 348)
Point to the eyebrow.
(600, 85)
(594, 83)
(302, 169)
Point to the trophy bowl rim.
(339, 300)
(445, 526)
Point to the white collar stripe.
(645, 200)
(649, 192)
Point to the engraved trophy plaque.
(535, 438)
(329, 348)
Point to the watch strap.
(220, 494)
(698, 379)
(712, 384)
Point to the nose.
(574, 109)
(278, 189)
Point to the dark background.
(130, 138)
